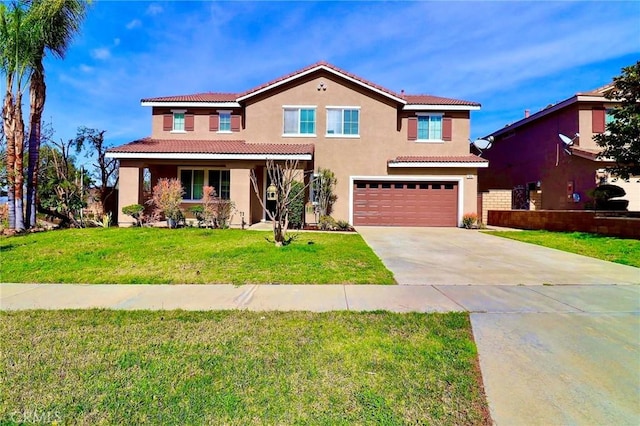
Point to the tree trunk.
(9, 125)
(37, 93)
(19, 162)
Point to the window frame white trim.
(220, 112)
(205, 181)
(429, 114)
(173, 120)
(342, 109)
(300, 108)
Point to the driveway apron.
(453, 256)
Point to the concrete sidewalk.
(548, 354)
(322, 298)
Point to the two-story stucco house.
(530, 157)
(399, 159)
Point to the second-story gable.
(316, 104)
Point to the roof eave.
(440, 107)
(203, 156)
(224, 104)
(445, 164)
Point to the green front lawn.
(176, 367)
(190, 256)
(624, 251)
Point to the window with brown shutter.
(598, 120)
(167, 122)
(446, 128)
(189, 122)
(235, 123)
(214, 120)
(412, 128)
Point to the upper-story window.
(299, 120)
(178, 121)
(224, 124)
(609, 118)
(430, 127)
(343, 121)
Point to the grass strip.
(187, 256)
(239, 368)
(618, 250)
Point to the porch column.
(241, 194)
(129, 191)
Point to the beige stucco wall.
(383, 136)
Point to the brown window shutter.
(412, 128)
(214, 122)
(189, 122)
(167, 122)
(597, 120)
(235, 123)
(446, 128)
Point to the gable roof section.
(210, 149)
(233, 100)
(596, 95)
(318, 67)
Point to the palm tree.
(15, 54)
(54, 22)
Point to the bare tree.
(106, 168)
(281, 176)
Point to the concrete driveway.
(454, 256)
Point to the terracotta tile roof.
(233, 97)
(439, 159)
(436, 100)
(197, 97)
(149, 145)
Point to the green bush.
(343, 225)
(296, 205)
(327, 223)
(135, 211)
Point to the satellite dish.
(481, 144)
(565, 139)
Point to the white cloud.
(154, 9)
(86, 68)
(101, 53)
(136, 23)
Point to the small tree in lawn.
(282, 176)
(167, 197)
(326, 182)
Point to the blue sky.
(509, 56)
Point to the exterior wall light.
(272, 193)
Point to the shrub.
(135, 211)
(469, 220)
(296, 205)
(343, 225)
(4, 216)
(327, 223)
(167, 197)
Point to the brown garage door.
(405, 203)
